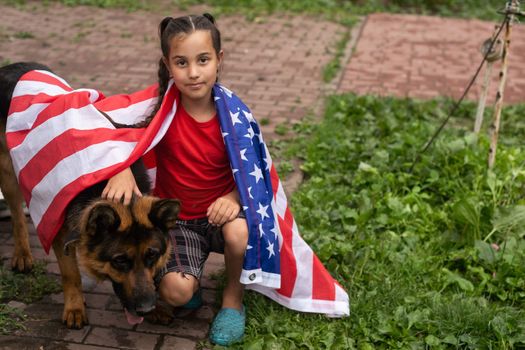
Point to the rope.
(456, 105)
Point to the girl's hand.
(224, 209)
(121, 187)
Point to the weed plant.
(343, 11)
(431, 258)
(25, 288)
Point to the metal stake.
(511, 10)
(492, 56)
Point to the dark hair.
(170, 27)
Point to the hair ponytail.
(209, 17)
(163, 79)
(163, 24)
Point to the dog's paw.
(75, 318)
(162, 314)
(22, 262)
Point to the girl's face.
(193, 65)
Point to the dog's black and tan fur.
(125, 244)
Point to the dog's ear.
(164, 213)
(101, 219)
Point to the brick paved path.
(275, 65)
(425, 57)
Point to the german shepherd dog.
(126, 244)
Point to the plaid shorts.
(191, 243)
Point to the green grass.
(334, 66)
(343, 11)
(413, 249)
(25, 288)
(10, 319)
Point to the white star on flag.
(270, 250)
(243, 154)
(259, 135)
(250, 192)
(267, 164)
(261, 232)
(248, 116)
(227, 91)
(234, 171)
(216, 98)
(275, 232)
(235, 118)
(224, 134)
(263, 211)
(250, 133)
(257, 173)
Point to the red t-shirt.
(192, 164)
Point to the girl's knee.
(236, 233)
(177, 289)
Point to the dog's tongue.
(132, 319)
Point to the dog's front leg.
(22, 260)
(74, 315)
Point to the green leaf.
(465, 211)
(485, 251)
(454, 278)
(364, 167)
(432, 340)
(509, 217)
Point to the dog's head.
(128, 245)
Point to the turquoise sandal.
(228, 326)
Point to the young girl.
(193, 166)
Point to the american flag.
(61, 144)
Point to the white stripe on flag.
(40, 136)
(24, 120)
(133, 113)
(331, 308)
(86, 161)
(280, 201)
(32, 87)
(45, 72)
(303, 255)
(271, 280)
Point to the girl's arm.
(224, 209)
(121, 186)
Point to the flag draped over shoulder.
(61, 144)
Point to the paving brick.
(105, 318)
(187, 328)
(122, 339)
(414, 50)
(178, 343)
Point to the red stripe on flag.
(21, 103)
(288, 262)
(323, 287)
(61, 147)
(275, 181)
(44, 78)
(53, 217)
(75, 100)
(122, 101)
(16, 138)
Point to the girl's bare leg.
(236, 239)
